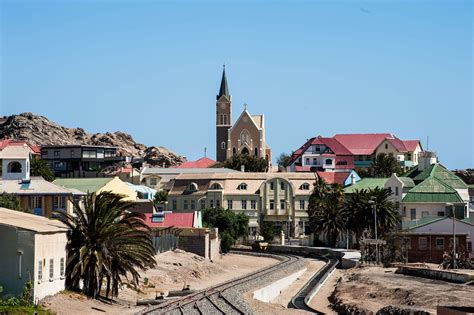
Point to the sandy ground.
(320, 301)
(279, 305)
(371, 288)
(174, 270)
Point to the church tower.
(223, 119)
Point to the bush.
(267, 231)
(226, 242)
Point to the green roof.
(440, 172)
(366, 183)
(413, 224)
(432, 190)
(407, 182)
(87, 185)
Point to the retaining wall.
(271, 291)
(445, 275)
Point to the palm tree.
(385, 165)
(106, 242)
(39, 167)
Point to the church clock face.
(222, 105)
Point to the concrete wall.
(273, 290)
(49, 247)
(15, 245)
(25, 169)
(445, 275)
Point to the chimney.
(242, 168)
(353, 179)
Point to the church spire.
(224, 89)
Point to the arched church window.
(223, 145)
(245, 151)
(225, 119)
(256, 151)
(245, 137)
(14, 167)
(234, 151)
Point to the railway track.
(214, 300)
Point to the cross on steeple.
(245, 106)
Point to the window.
(440, 243)
(203, 204)
(61, 268)
(193, 204)
(89, 153)
(175, 204)
(57, 153)
(302, 204)
(425, 214)
(185, 204)
(223, 145)
(386, 146)
(307, 161)
(396, 193)
(242, 186)
(256, 151)
(282, 186)
(218, 203)
(58, 165)
(216, 186)
(272, 186)
(51, 269)
(304, 186)
(44, 153)
(40, 270)
(36, 202)
(328, 162)
(244, 204)
(211, 203)
(423, 243)
(440, 213)
(153, 181)
(244, 137)
(272, 204)
(253, 204)
(234, 151)
(109, 153)
(315, 161)
(469, 246)
(282, 204)
(193, 187)
(412, 214)
(14, 167)
(72, 152)
(229, 204)
(59, 202)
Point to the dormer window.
(328, 162)
(216, 186)
(193, 187)
(304, 186)
(242, 186)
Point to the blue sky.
(152, 69)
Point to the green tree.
(39, 167)
(267, 230)
(231, 225)
(326, 211)
(251, 163)
(360, 211)
(384, 166)
(10, 201)
(106, 242)
(160, 197)
(283, 160)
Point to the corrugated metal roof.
(30, 222)
(407, 181)
(36, 185)
(366, 183)
(86, 185)
(432, 197)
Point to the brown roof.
(30, 222)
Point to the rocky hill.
(39, 130)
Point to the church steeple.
(224, 89)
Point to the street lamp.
(455, 264)
(373, 201)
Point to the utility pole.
(373, 201)
(455, 263)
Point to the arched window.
(234, 151)
(216, 186)
(328, 162)
(304, 186)
(223, 145)
(225, 119)
(193, 187)
(242, 186)
(14, 167)
(256, 151)
(244, 137)
(245, 151)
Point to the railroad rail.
(301, 299)
(213, 299)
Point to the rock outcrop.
(39, 130)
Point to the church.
(246, 136)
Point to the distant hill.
(39, 130)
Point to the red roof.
(201, 163)
(334, 177)
(411, 144)
(172, 219)
(331, 143)
(36, 149)
(363, 144)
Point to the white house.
(32, 248)
(16, 162)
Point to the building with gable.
(245, 136)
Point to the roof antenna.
(427, 143)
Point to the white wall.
(25, 169)
(49, 246)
